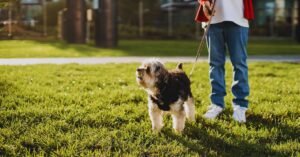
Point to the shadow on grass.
(160, 48)
(83, 49)
(171, 48)
(134, 48)
(5, 91)
(287, 132)
(199, 140)
(5, 88)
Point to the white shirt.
(230, 10)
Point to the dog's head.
(150, 72)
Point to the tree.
(129, 13)
(106, 27)
(5, 3)
(141, 17)
(298, 25)
(76, 21)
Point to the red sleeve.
(200, 16)
(248, 10)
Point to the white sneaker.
(213, 111)
(239, 113)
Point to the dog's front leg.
(189, 108)
(178, 121)
(156, 116)
(156, 119)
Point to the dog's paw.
(178, 131)
(191, 119)
(157, 128)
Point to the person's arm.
(207, 8)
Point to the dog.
(168, 91)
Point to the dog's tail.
(179, 66)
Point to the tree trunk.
(106, 34)
(76, 21)
(298, 25)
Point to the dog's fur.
(168, 92)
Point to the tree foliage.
(5, 3)
(129, 11)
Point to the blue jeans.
(233, 37)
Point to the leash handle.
(203, 38)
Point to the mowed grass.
(35, 49)
(98, 110)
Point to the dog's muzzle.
(140, 73)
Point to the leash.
(211, 12)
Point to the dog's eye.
(148, 69)
(157, 69)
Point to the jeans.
(222, 36)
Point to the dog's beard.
(146, 81)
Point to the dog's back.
(181, 80)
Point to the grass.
(33, 49)
(98, 110)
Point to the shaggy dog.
(168, 92)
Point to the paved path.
(104, 60)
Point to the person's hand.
(207, 8)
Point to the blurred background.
(104, 22)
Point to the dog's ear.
(179, 66)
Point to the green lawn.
(98, 110)
(27, 48)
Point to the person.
(228, 30)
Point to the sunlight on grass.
(98, 110)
